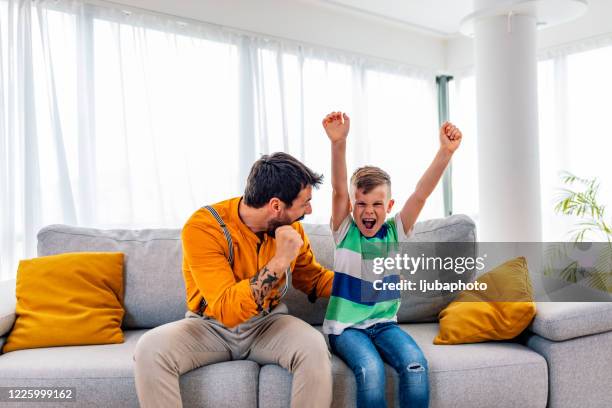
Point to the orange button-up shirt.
(208, 274)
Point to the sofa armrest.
(7, 306)
(559, 321)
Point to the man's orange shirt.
(208, 274)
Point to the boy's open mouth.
(368, 222)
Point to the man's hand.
(288, 244)
(337, 125)
(450, 137)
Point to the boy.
(362, 327)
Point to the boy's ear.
(390, 205)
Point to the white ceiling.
(440, 17)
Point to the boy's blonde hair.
(367, 178)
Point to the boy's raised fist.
(337, 125)
(450, 136)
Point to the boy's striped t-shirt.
(355, 301)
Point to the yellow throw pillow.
(67, 300)
(479, 315)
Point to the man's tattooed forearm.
(261, 284)
(269, 280)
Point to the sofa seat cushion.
(495, 374)
(488, 374)
(103, 375)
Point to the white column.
(507, 115)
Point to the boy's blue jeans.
(364, 350)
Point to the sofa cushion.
(483, 375)
(68, 299)
(154, 287)
(457, 229)
(500, 312)
(494, 374)
(103, 375)
(7, 306)
(560, 321)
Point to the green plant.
(583, 203)
(580, 199)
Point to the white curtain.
(575, 135)
(117, 118)
(462, 96)
(574, 85)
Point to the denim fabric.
(364, 351)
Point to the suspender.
(230, 245)
(226, 232)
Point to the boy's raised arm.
(337, 125)
(450, 139)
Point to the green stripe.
(392, 231)
(352, 240)
(345, 311)
(370, 248)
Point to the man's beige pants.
(163, 354)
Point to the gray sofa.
(563, 360)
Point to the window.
(462, 95)
(573, 109)
(121, 119)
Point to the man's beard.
(279, 222)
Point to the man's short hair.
(278, 175)
(367, 178)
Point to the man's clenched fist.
(288, 244)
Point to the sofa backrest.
(154, 286)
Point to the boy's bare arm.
(450, 139)
(337, 126)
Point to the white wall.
(313, 23)
(596, 22)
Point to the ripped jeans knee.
(415, 372)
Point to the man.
(239, 256)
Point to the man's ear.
(390, 205)
(275, 205)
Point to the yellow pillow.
(476, 316)
(68, 299)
